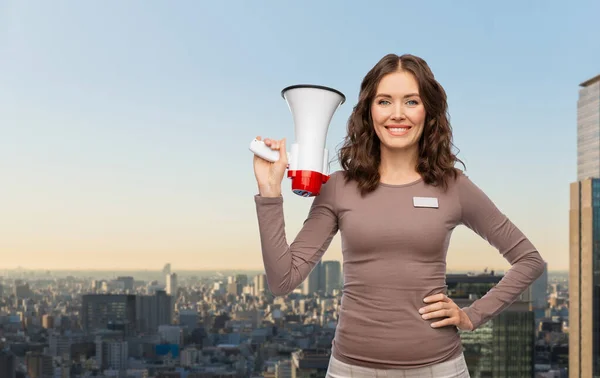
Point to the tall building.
(39, 365)
(537, 296)
(312, 283)
(584, 278)
(584, 238)
(588, 129)
(333, 276)
(260, 284)
(112, 354)
(172, 285)
(324, 278)
(502, 347)
(153, 311)
(109, 311)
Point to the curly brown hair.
(360, 154)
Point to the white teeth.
(399, 129)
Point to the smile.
(398, 130)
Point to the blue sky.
(125, 125)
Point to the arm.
(287, 266)
(483, 217)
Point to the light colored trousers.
(455, 368)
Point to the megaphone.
(312, 108)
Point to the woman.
(396, 202)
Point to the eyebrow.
(405, 96)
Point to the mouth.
(398, 130)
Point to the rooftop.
(591, 81)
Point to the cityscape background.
(129, 239)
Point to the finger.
(445, 322)
(444, 313)
(436, 298)
(282, 151)
(258, 137)
(433, 307)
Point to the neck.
(398, 167)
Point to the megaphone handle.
(259, 148)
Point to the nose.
(398, 112)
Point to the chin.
(398, 145)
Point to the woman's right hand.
(270, 175)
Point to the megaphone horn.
(312, 108)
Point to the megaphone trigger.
(260, 149)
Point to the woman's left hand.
(443, 307)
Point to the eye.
(413, 102)
(381, 102)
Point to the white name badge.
(425, 202)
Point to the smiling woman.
(396, 202)
(401, 116)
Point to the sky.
(125, 126)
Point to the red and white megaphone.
(312, 108)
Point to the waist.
(374, 274)
(382, 327)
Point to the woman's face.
(398, 113)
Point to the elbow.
(278, 288)
(542, 267)
(282, 283)
(539, 264)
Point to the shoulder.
(339, 181)
(336, 177)
(333, 188)
(333, 182)
(471, 195)
(460, 181)
(462, 187)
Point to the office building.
(8, 364)
(153, 311)
(584, 238)
(502, 347)
(332, 275)
(588, 129)
(109, 312)
(172, 285)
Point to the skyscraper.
(584, 238)
(332, 275)
(312, 283)
(172, 285)
(502, 347)
(588, 129)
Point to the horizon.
(232, 269)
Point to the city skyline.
(125, 147)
